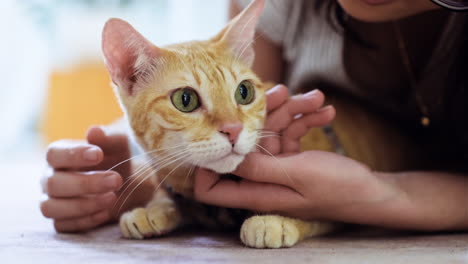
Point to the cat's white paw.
(269, 231)
(142, 223)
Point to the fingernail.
(91, 154)
(107, 199)
(311, 94)
(326, 108)
(111, 182)
(275, 89)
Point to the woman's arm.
(426, 201)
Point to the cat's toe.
(268, 232)
(253, 232)
(163, 221)
(134, 224)
(142, 223)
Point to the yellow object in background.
(77, 98)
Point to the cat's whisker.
(156, 164)
(167, 176)
(145, 167)
(266, 131)
(139, 155)
(264, 134)
(190, 171)
(150, 165)
(153, 163)
(267, 136)
(149, 175)
(278, 163)
(141, 169)
(150, 162)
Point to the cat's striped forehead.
(211, 70)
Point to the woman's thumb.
(259, 167)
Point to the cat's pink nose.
(231, 130)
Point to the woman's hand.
(307, 185)
(81, 192)
(289, 119)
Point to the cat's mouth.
(225, 163)
(227, 155)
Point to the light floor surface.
(27, 237)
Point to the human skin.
(393, 10)
(320, 185)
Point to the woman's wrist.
(376, 202)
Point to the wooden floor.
(26, 237)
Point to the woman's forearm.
(427, 201)
(436, 200)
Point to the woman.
(402, 59)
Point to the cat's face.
(197, 101)
(202, 100)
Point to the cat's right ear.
(239, 34)
(128, 55)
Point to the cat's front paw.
(142, 223)
(269, 231)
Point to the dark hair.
(452, 132)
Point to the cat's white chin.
(225, 165)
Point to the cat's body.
(195, 104)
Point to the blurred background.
(54, 84)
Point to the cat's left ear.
(239, 34)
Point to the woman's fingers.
(63, 184)
(67, 154)
(110, 142)
(115, 147)
(299, 127)
(82, 223)
(246, 194)
(260, 167)
(67, 208)
(297, 105)
(276, 96)
(281, 118)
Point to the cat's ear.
(128, 55)
(239, 34)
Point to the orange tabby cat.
(195, 104)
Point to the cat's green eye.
(245, 93)
(185, 100)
